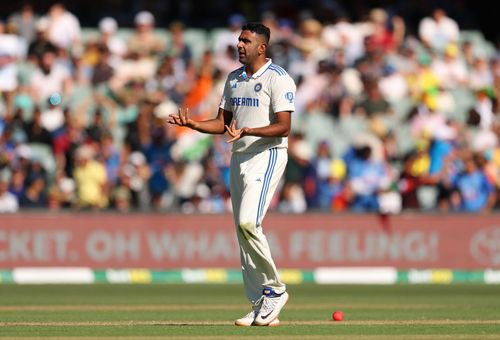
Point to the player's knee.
(247, 229)
(247, 226)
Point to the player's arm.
(212, 126)
(279, 128)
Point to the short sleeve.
(283, 94)
(224, 102)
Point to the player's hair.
(258, 28)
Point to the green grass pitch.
(459, 311)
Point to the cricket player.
(255, 111)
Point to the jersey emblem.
(289, 97)
(234, 83)
(258, 87)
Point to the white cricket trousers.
(254, 179)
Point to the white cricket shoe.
(271, 306)
(248, 320)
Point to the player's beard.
(245, 58)
(242, 57)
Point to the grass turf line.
(141, 311)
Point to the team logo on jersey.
(258, 87)
(289, 97)
(234, 83)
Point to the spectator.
(109, 155)
(11, 51)
(64, 192)
(178, 48)
(169, 80)
(327, 176)
(96, 130)
(393, 85)
(451, 70)
(122, 199)
(91, 180)
(64, 28)
(158, 157)
(134, 176)
(292, 200)
(484, 108)
(408, 183)
(374, 104)
(25, 22)
(480, 74)
(229, 35)
(116, 46)
(382, 37)
(8, 202)
(184, 177)
(228, 60)
(476, 192)
(41, 43)
(17, 183)
(54, 200)
(311, 50)
(34, 195)
(35, 130)
(438, 30)
(281, 49)
(49, 78)
(372, 68)
(66, 141)
(344, 35)
(144, 42)
(299, 157)
(367, 177)
(103, 71)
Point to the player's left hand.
(234, 132)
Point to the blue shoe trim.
(269, 292)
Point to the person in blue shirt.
(476, 192)
(367, 177)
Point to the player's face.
(250, 47)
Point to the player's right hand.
(181, 118)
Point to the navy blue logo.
(258, 87)
(289, 97)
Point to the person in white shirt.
(255, 111)
(450, 69)
(8, 202)
(10, 53)
(108, 28)
(344, 35)
(438, 30)
(48, 80)
(227, 36)
(64, 28)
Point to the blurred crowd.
(385, 120)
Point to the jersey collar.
(259, 72)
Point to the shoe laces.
(268, 303)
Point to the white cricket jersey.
(254, 102)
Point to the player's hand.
(234, 132)
(181, 119)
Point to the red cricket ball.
(338, 315)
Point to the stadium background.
(399, 226)
(212, 14)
